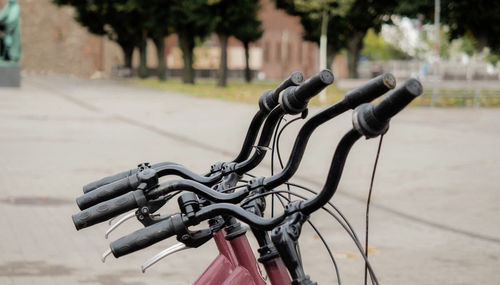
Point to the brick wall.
(52, 42)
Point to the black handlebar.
(110, 179)
(362, 94)
(106, 192)
(107, 209)
(368, 119)
(267, 102)
(372, 120)
(294, 99)
(147, 178)
(147, 236)
(370, 90)
(397, 100)
(199, 189)
(270, 98)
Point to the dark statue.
(10, 34)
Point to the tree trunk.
(330, 56)
(222, 74)
(160, 52)
(128, 52)
(187, 45)
(143, 69)
(248, 72)
(354, 47)
(323, 41)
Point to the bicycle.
(217, 198)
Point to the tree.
(227, 15)
(478, 19)
(351, 24)
(249, 30)
(108, 17)
(158, 23)
(320, 19)
(190, 20)
(363, 15)
(376, 48)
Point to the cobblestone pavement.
(435, 216)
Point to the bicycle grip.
(269, 99)
(106, 180)
(109, 179)
(397, 100)
(372, 120)
(294, 99)
(108, 191)
(144, 237)
(107, 210)
(371, 90)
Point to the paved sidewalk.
(435, 212)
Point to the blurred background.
(108, 84)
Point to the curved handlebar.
(200, 189)
(294, 99)
(372, 120)
(270, 98)
(110, 179)
(362, 94)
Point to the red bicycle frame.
(236, 264)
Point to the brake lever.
(111, 220)
(120, 221)
(164, 253)
(144, 214)
(105, 254)
(188, 239)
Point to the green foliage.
(310, 18)
(478, 19)
(376, 48)
(226, 15)
(107, 17)
(468, 45)
(249, 27)
(348, 23)
(492, 58)
(190, 18)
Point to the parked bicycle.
(224, 198)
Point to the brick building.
(54, 43)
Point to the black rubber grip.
(397, 100)
(105, 210)
(106, 180)
(371, 90)
(294, 99)
(143, 238)
(269, 99)
(107, 192)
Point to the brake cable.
(277, 136)
(346, 228)
(367, 216)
